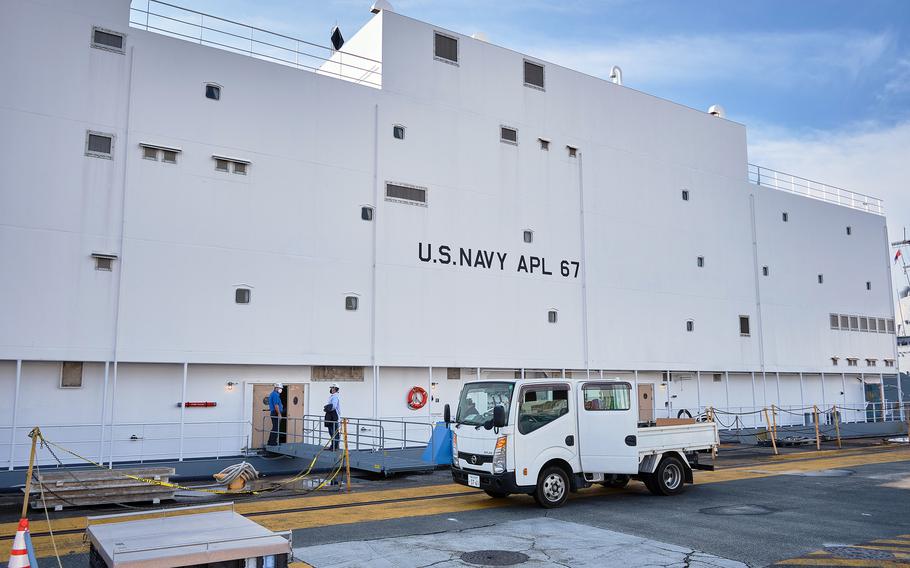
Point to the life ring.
(417, 398)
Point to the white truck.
(550, 437)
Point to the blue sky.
(822, 85)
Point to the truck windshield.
(478, 399)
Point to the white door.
(607, 428)
(544, 429)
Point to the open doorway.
(291, 427)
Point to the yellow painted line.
(299, 564)
(842, 562)
(360, 509)
(769, 470)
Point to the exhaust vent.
(717, 110)
(616, 75)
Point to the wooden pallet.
(69, 488)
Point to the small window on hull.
(242, 295)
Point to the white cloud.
(870, 159)
(771, 59)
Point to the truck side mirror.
(499, 416)
(447, 414)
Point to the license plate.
(474, 480)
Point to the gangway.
(380, 446)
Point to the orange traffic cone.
(18, 557)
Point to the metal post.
(881, 386)
(823, 391)
(862, 379)
(182, 409)
(777, 376)
(12, 433)
(754, 402)
(764, 388)
(110, 463)
(900, 397)
(478, 373)
(843, 385)
(802, 396)
(430, 394)
(522, 372)
(669, 376)
(103, 412)
(698, 391)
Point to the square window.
(834, 361)
(366, 213)
(551, 316)
(852, 362)
(350, 303)
(533, 75)
(608, 396)
(690, 325)
(150, 153)
(854, 323)
(99, 145)
(71, 375)
(821, 278)
(445, 48)
(169, 156)
(700, 261)
(849, 230)
(844, 323)
(864, 323)
(890, 323)
(882, 326)
(528, 236)
(573, 151)
(221, 165)
(398, 132)
(544, 144)
(765, 271)
(685, 195)
(508, 135)
(108, 40)
(242, 295)
(744, 325)
(717, 377)
(213, 92)
(240, 168)
(835, 321)
(873, 325)
(785, 216)
(453, 373)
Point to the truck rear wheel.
(552, 488)
(669, 478)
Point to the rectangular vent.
(533, 75)
(105, 39)
(509, 135)
(445, 48)
(406, 193)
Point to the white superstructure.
(654, 249)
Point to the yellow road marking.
(842, 562)
(362, 510)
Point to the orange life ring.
(417, 398)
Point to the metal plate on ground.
(731, 510)
(494, 557)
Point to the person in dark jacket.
(276, 409)
(332, 410)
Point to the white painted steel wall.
(320, 148)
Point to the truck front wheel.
(669, 478)
(552, 488)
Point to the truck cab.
(549, 437)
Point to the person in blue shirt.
(276, 409)
(332, 410)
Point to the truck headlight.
(499, 455)
(454, 448)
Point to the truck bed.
(682, 437)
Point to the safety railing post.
(836, 416)
(818, 440)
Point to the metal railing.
(175, 21)
(816, 190)
(372, 434)
(136, 442)
(738, 417)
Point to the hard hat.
(279, 386)
(334, 386)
